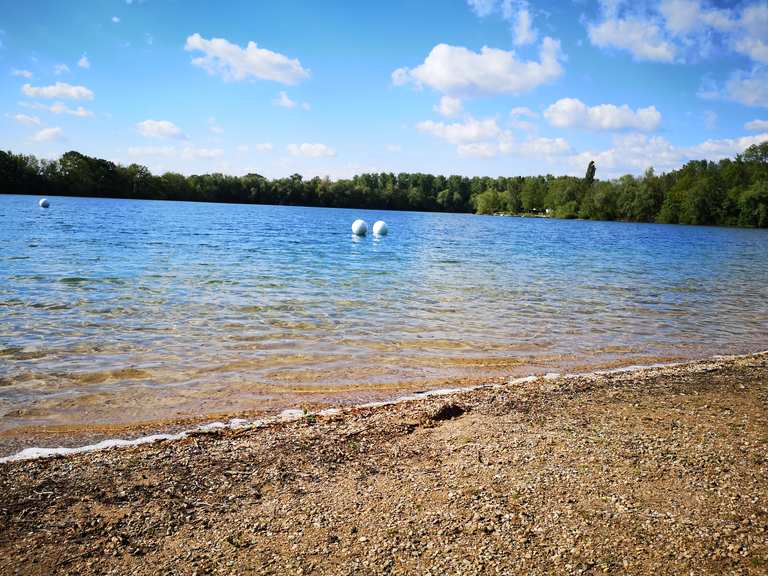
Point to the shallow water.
(116, 311)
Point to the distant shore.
(651, 471)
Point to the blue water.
(123, 311)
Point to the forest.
(731, 192)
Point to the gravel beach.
(650, 471)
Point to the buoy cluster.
(360, 228)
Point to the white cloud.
(193, 153)
(746, 87)
(458, 70)
(58, 108)
(641, 38)
(149, 40)
(538, 147)
(306, 106)
(478, 149)
(470, 130)
(115, 19)
(159, 129)
(394, 148)
(162, 151)
(542, 148)
(235, 63)
(519, 111)
(634, 153)
(448, 106)
(47, 134)
(724, 148)
(23, 73)
(514, 11)
(263, 147)
(482, 7)
(58, 90)
(676, 30)
(573, 113)
(284, 101)
(214, 127)
(27, 120)
(60, 69)
(522, 29)
(84, 62)
(310, 150)
(684, 17)
(757, 125)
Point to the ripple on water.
(210, 304)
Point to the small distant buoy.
(44, 203)
(359, 227)
(380, 228)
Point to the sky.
(470, 87)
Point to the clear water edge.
(115, 311)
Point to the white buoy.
(43, 203)
(380, 228)
(359, 227)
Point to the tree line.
(731, 192)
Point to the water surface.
(118, 311)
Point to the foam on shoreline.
(294, 414)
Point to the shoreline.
(170, 431)
(653, 471)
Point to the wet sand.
(654, 471)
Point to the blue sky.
(479, 87)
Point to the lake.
(123, 311)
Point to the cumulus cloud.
(522, 111)
(757, 125)
(159, 129)
(309, 150)
(542, 148)
(517, 118)
(678, 30)
(514, 11)
(48, 134)
(284, 101)
(448, 106)
(458, 70)
(60, 69)
(724, 148)
(634, 153)
(84, 62)
(641, 38)
(471, 130)
(59, 108)
(482, 7)
(523, 30)
(22, 73)
(58, 90)
(27, 120)
(753, 39)
(745, 87)
(232, 62)
(573, 113)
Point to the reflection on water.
(120, 311)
